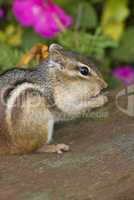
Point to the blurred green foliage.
(95, 43)
(113, 18)
(125, 51)
(87, 35)
(8, 57)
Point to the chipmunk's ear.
(55, 52)
(55, 47)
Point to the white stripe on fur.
(50, 130)
(12, 99)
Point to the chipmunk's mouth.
(101, 93)
(94, 97)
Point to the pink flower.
(2, 12)
(125, 74)
(44, 16)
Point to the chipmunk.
(32, 100)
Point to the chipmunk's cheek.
(67, 103)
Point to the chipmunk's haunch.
(32, 100)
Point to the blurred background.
(102, 30)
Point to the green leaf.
(7, 2)
(113, 18)
(30, 38)
(83, 12)
(86, 15)
(86, 43)
(96, 1)
(125, 52)
(9, 57)
(113, 82)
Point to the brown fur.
(55, 89)
(29, 129)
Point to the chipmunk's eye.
(84, 71)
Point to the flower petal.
(125, 74)
(45, 17)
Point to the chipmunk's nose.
(103, 84)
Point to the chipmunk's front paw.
(60, 148)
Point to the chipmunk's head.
(78, 83)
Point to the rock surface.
(100, 165)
